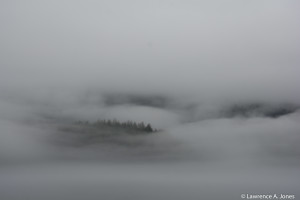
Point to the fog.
(219, 81)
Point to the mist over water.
(219, 81)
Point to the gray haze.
(219, 79)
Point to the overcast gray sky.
(210, 49)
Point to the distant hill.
(259, 109)
(84, 133)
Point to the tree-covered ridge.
(129, 126)
(260, 109)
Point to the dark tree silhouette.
(128, 126)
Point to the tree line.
(128, 125)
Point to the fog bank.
(220, 81)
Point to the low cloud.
(220, 79)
